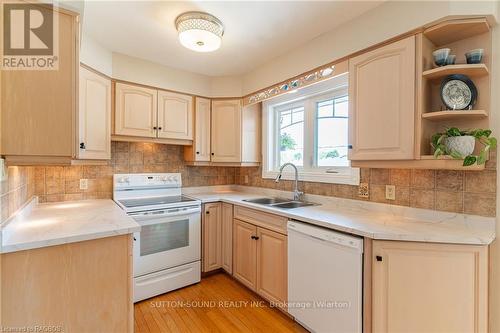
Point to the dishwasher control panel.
(327, 235)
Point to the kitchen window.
(309, 128)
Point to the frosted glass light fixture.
(199, 31)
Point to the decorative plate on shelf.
(458, 92)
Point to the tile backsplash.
(16, 190)
(60, 183)
(470, 192)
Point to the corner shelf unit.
(472, 70)
(451, 115)
(461, 36)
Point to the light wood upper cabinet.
(136, 111)
(212, 237)
(272, 277)
(200, 150)
(245, 253)
(175, 116)
(226, 131)
(382, 102)
(39, 107)
(94, 119)
(423, 287)
(227, 237)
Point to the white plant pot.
(464, 145)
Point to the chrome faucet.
(296, 193)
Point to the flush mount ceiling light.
(199, 31)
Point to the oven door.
(168, 238)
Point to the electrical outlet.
(246, 179)
(84, 184)
(363, 190)
(390, 192)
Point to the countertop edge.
(219, 197)
(67, 240)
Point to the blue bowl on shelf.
(440, 56)
(450, 60)
(474, 56)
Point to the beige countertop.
(367, 219)
(41, 225)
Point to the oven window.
(164, 236)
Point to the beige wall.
(95, 55)
(383, 22)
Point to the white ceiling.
(255, 32)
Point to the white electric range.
(167, 250)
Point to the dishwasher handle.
(325, 235)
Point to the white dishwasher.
(325, 275)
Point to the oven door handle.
(166, 213)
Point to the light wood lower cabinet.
(79, 287)
(260, 255)
(227, 237)
(245, 249)
(212, 236)
(422, 287)
(272, 277)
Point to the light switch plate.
(84, 184)
(363, 190)
(390, 192)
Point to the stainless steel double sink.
(280, 203)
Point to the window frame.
(308, 97)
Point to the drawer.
(261, 219)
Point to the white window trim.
(334, 175)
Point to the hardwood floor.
(216, 304)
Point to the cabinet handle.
(135, 239)
(82, 145)
(255, 237)
(213, 154)
(349, 146)
(159, 128)
(155, 128)
(379, 258)
(207, 212)
(198, 152)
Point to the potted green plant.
(460, 144)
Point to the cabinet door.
(272, 281)
(212, 234)
(38, 107)
(245, 253)
(422, 287)
(136, 111)
(226, 131)
(175, 116)
(202, 130)
(94, 119)
(382, 102)
(227, 237)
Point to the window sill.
(347, 178)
